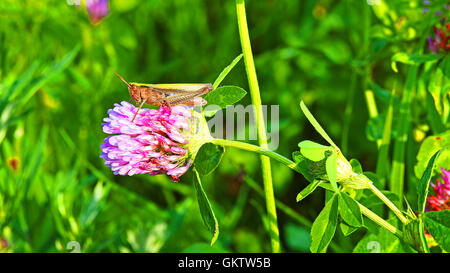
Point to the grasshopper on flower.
(167, 94)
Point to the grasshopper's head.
(135, 92)
(133, 89)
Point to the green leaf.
(308, 190)
(331, 167)
(303, 165)
(208, 158)
(349, 211)
(412, 59)
(385, 95)
(316, 124)
(346, 229)
(438, 224)
(312, 150)
(227, 70)
(324, 226)
(205, 209)
(382, 241)
(356, 166)
(439, 84)
(372, 200)
(223, 96)
(375, 127)
(429, 147)
(424, 184)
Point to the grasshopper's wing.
(178, 88)
(184, 98)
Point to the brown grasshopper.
(167, 94)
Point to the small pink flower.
(97, 9)
(156, 142)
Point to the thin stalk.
(380, 221)
(262, 137)
(257, 149)
(289, 212)
(388, 203)
(290, 164)
(280, 205)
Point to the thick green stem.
(262, 137)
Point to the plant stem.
(380, 221)
(262, 137)
(388, 203)
(253, 148)
(290, 164)
(289, 212)
(280, 205)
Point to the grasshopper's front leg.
(140, 106)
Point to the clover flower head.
(97, 9)
(441, 199)
(156, 142)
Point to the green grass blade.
(398, 166)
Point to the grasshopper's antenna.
(121, 79)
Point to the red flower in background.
(441, 199)
(440, 42)
(441, 39)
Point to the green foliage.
(206, 210)
(304, 165)
(223, 96)
(56, 85)
(208, 158)
(313, 151)
(438, 224)
(324, 226)
(382, 241)
(439, 87)
(308, 190)
(412, 59)
(297, 238)
(349, 211)
(316, 124)
(356, 166)
(429, 147)
(331, 167)
(424, 183)
(226, 70)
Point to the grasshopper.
(167, 94)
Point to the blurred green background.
(56, 84)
